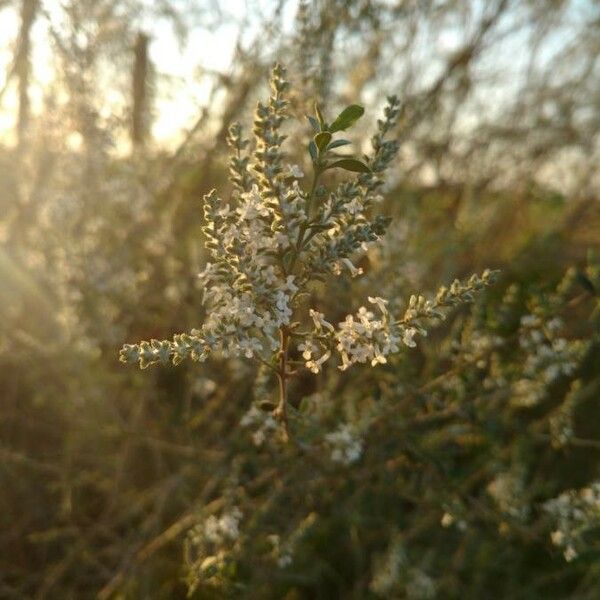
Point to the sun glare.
(184, 74)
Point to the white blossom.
(380, 302)
(263, 424)
(575, 512)
(295, 171)
(319, 320)
(346, 446)
(219, 530)
(315, 365)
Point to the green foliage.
(321, 145)
(347, 118)
(349, 164)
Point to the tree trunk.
(139, 116)
(29, 10)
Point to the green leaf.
(314, 153)
(338, 144)
(320, 117)
(347, 117)
(350, 164)
(314, 123)
(322, 139)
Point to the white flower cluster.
(225, 528)
(364, 337)
(346, 446)
(203, 386)
(247, 322)
(261, 422)
(208, 547)
(217, 531)
(369, 337)
(480, 347)
(283, 555)
(548, 357)
(575, 512)
(359, 338)
(271, 239)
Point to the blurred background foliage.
(105, 470)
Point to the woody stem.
(282, 376)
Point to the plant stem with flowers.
(273, 240)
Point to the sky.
(181, 90)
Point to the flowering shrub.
(456, 458)
(438, 469)
(461, 466)
(576, 512)
(273, 240)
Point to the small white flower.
(212, 530)
(307, 348)
(315, 365)
(259, 437)
(555, 324)
(570, 554)
(229, 524)
(296, 171)
(361, 353)
(380, 302)
(379, 358)
(407, 337)
(529, 321)
(354, 207)
(346, 446)
(285, 560)
(354, 271)
(320, 321)
(252, 416)
(250, 346)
